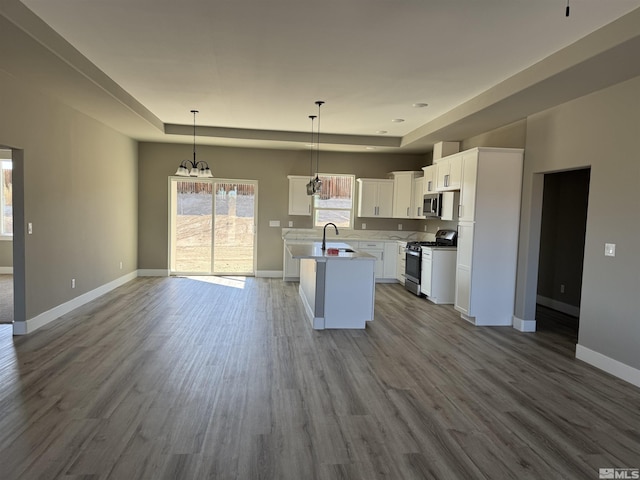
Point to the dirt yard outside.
(234, 234)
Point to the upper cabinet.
(403, 198)
(429, 182)
(375, 197)
(449, 173)
(299, 201)
(418, 198)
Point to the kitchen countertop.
(314, 251)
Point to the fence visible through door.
(212, 226)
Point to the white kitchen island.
(337, 289)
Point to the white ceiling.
(253, 66)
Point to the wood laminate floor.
(180, 378)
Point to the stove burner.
(416, 246)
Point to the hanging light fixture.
(317, 183)
(198, 169)
(310, 185)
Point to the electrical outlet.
(364, 226)
(73, 283)
(425, 228)
(30, 228)
(290, 224)
(562, 288)
(120, 265)
(399, 226)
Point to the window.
(6, 199)
(335, 202)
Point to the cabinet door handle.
(407, 211)
(429, 185)
(446, 180)
(419, 210)
(459, 210)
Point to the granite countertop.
(314, 251)
(295, 234)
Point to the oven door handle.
(414, 253)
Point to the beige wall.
(6, 253)
(513, 135)
(600, 130)
(158, 161)
(80, 181)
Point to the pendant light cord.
(194, 136)
(312, 117)
(319, 103)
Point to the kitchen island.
(337, 286)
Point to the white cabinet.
(449, 173)
(450, 206)
(429, 182)
(489, 210)
(389, 261)
(401, 261)
(418, 198)
(467, 207)
(385, 253)
(290, 265)
(299, 201)
(403, 199)
(377, 250)
(375, 197)
(438, 275)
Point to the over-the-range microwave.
(432, 205)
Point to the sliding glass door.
(212, 226)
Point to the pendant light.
(198, 169)
(310, 185)
(317, 183)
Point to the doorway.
(212, 226)
(562, 240)
(6, 237)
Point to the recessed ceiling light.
(420, 105)
(381, 132)
(398, 120)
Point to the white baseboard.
(269, 273)
(558, 305)
(32, 324)
(146, 272)
(609, 365)
(524, 325)
(6, 270)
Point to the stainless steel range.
(413, 269)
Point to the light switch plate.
(364, 226)
(609, 249)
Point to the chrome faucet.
(324, 235)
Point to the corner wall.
(80, 194)
(600, 130)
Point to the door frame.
(171, 225)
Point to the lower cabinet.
(401, 261)
(377, 250)
(438, 276)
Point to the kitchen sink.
(346, 250)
